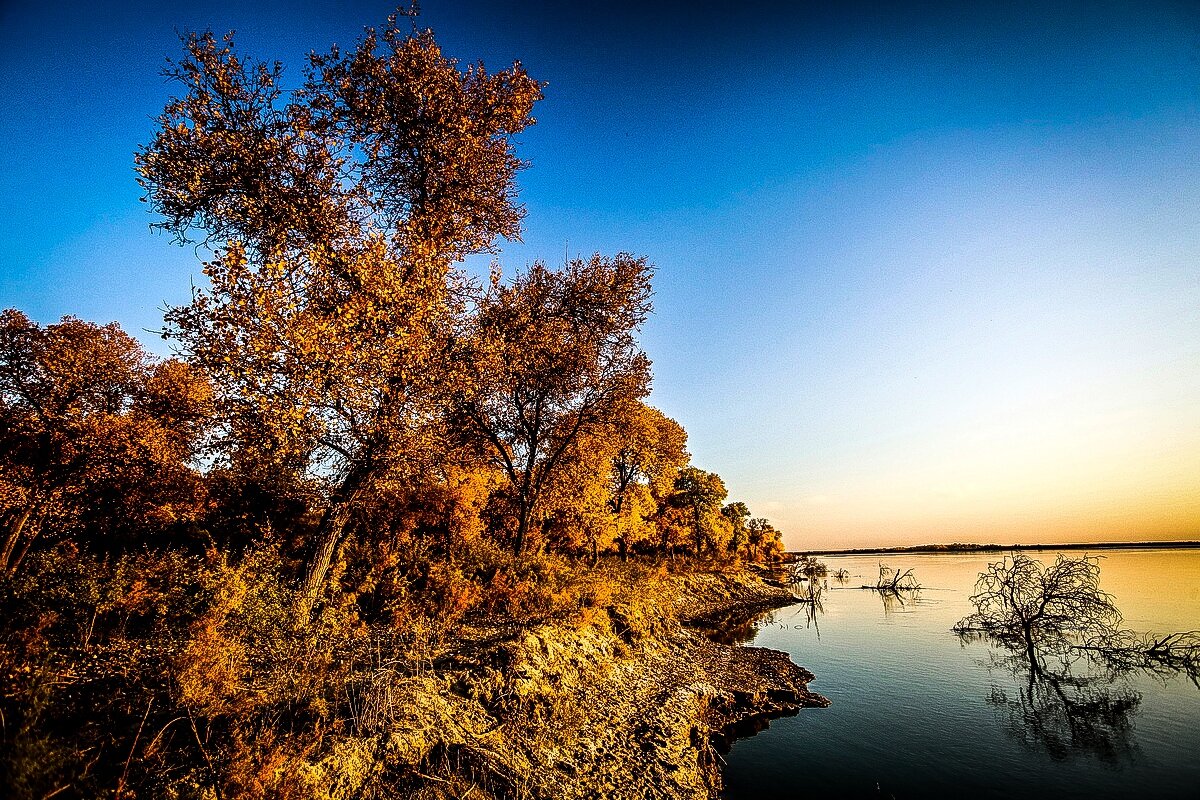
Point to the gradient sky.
(929, 273)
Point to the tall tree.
(762, 540)
(737, 513)
(553, 355)
(336, 214)
(576, 499)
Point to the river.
(918, 713)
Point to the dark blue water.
(917, 713)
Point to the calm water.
(918, 714)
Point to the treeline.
(108, 449)
(344, 387)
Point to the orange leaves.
(97, 435)
(551, 357)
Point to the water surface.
(917, 713)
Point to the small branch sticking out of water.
(893, 581)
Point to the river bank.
(624, 681)
(638, 703)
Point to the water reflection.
(812, 610)
(736, 628)
(1068, 715)
(1061, 638)
(896, 601)
(911, 710)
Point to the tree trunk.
(623, 548)
(522, 528)
(595, 552)
(16, 562)
(1035, 666)
(328, 536)
(14, 534)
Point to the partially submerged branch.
(893, 581)
(1126, 651)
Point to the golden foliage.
(338, 210)
(96, 437)
(551, 356)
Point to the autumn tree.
(96, 436)
(762, 540)
(335, 214)
(650, 449)
(737, 513)
(700, 495)
(552, 355)
(576, 499)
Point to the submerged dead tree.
(894, 581)
(1046, 610)
(1059, 610)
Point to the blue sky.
(926, 272)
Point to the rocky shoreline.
(638, 703)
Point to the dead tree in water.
(1060, 610)
(893, 581)
(806, 579)
(1046, 610)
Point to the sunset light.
(544, 400)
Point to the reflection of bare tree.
(811, 612)
(894, 601)
(890, 602)
(809, 590)
(1067, 716)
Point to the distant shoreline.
(992, 548)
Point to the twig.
(132, 748)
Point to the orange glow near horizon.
(1025, 480)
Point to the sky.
(926, 272)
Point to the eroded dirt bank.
(631, 704)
